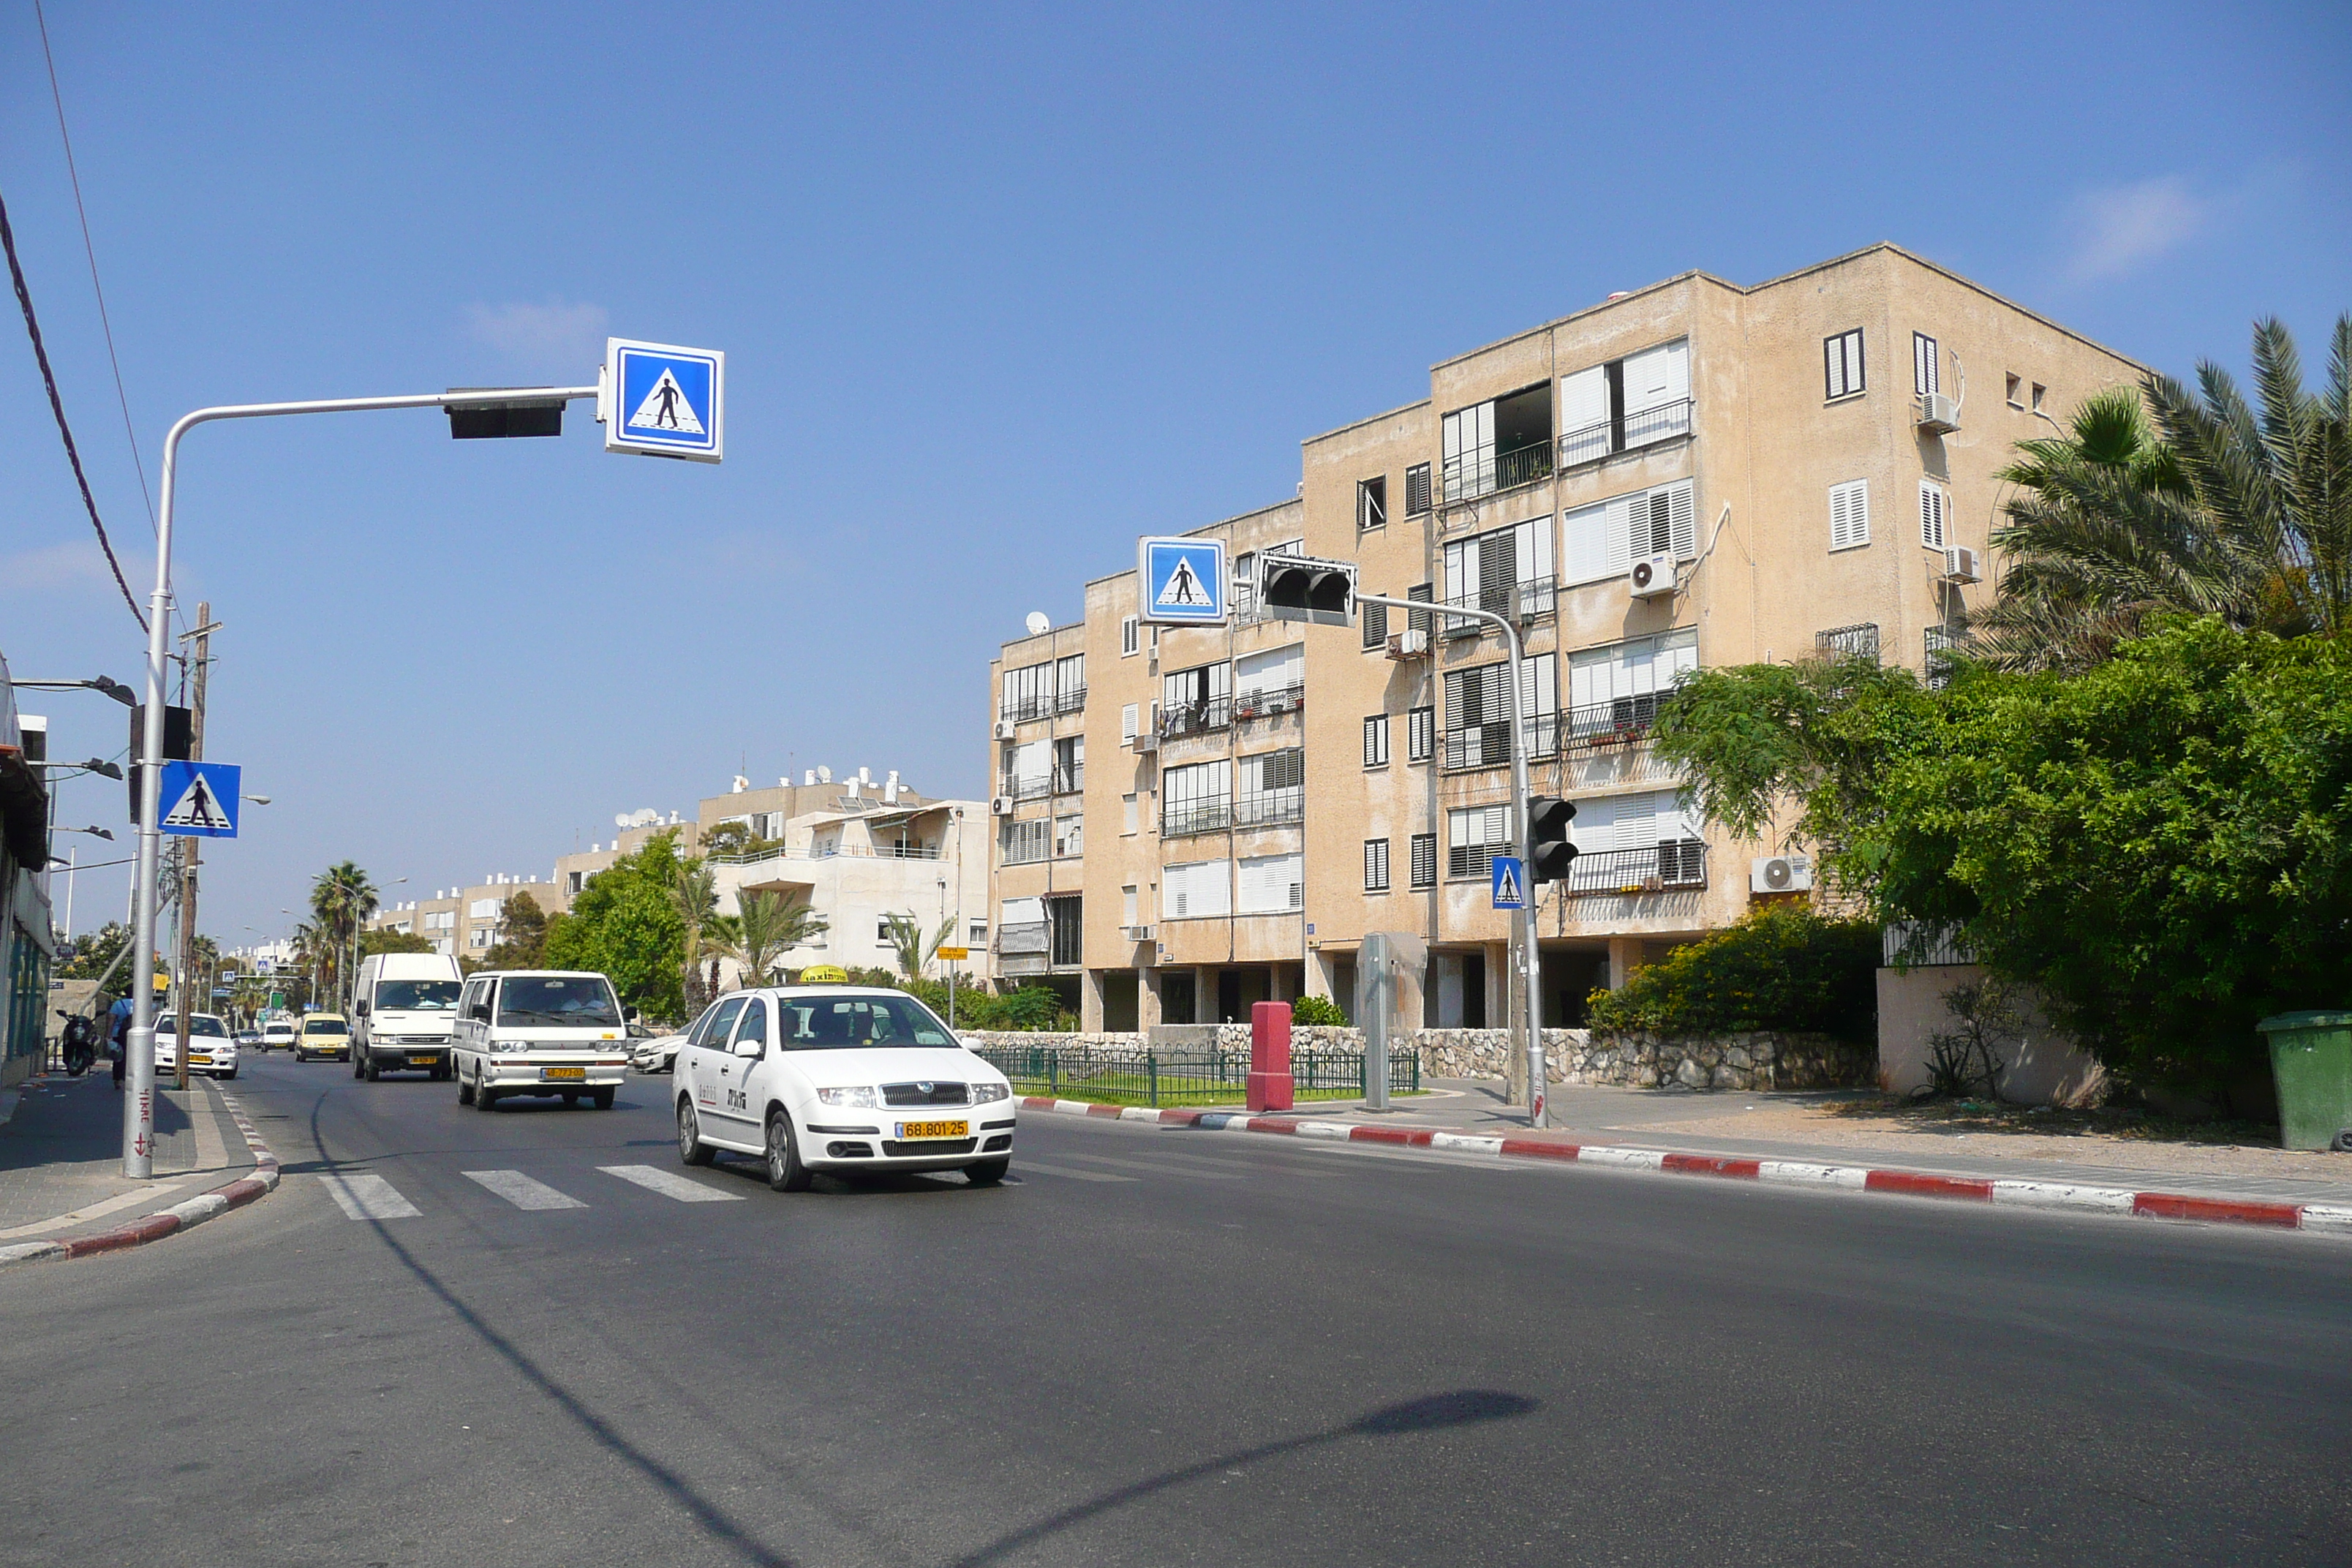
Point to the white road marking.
(368, 1197)
(523, 1191)
(1066, 1170)
(670, 1185)
(1153, 1167)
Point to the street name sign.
(200, 799)
(1510, 882)
(663, 401)
(1184, 582)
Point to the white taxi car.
(839, 1078)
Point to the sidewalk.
(1799, 1127)
(61, 1155)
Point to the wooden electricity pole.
(202, 664)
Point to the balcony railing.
(1860, 641)
(1195, 718)
(1674, 864)
(1266, 701)
(1070, 699)
(850, 851)
(1070, 780)
(1181, 817)
(1645, 428)
(1489, 745)
(1522, 602)
(1621, 720)
(1272, 810)
(1485, 471)
(1025, 786)
(1021, 710)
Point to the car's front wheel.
(485, 1097)
(786, 1172)
(691, 1149)
(988, 1172)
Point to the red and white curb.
(1786, 1173)
(169, 1221)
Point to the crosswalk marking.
(523, 1191)
(1066, 1170)
(670, 1185)
(367, 1197)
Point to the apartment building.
(466, 922)
(1691, 474)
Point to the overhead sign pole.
(474, 412)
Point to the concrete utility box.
(2310, 1057)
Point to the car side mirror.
(751, 1048)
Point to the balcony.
(1522, 602)
(1180, 818)
(1021, 710)
(1070, 780)
(1025, 786)
(1484, 470)
(1071, 700)
(1489, 745)
(1645, 427)
(1267, 702)
(1621, 720)
(1279, 809)
(1195, 718)
(1676, 866)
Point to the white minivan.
(539, 1032)
(403, 1012)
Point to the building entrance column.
(1624, 957)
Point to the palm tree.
(2207, 508)
(343, 897)
(912, 948)
(695, 892)
(769, 927)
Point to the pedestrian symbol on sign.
(1183, 590)
(1510, 883)
(199, 799)
(666, 408)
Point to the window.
(574, 882)
(482, 909)
(1468, 443)
(1416, 490)
(1841, 363)
(1634, 401)
(1028, 692)
(1472, 837)
(1850, 514)
(979, 936)
(1027, 841)
(1070, 683)
(1069, 764)
(1376, 740)
(1424, 860)
(1629, 841)
(1028, 769)
(1272, 884)
(1372, 502)
(1130, 636)
(1602, 541)
(1273, 788)
(1196, 799)
(440, 920)
(753, 1029)
(1376, 865)
(1129, 718)
(1478, 718)
(1270, 682)
(1496, 446)
(1191, 700)
(1613, 690)
(1420, 734)
(1203, 887)
(1422, 621)
(1069, 837)
(1931, 515)
(1068, 919)
(1491, 570)
(1940, 640)
(2016, 386)
(1128, 815)
(882, 932)
(479, 937)
(1375, 618)
(1859, 641)
(1245, 570)
(2040, 391)
(1923, 364)
(1126, 902)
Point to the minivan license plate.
(562, 1075)
(934, 1130)
(423, 1061)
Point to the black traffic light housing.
(491, 421)
(1548, 820)
(1306, 588)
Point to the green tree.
(94, 952)
(694, 895)
(375, 941)
(341, 899)
(910, 946)
(769, 926)
(522, 935)
(626, 924)
(1781, 967)
(735, 840)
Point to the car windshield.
(205, 1025)
(325, 1026)
(840, 1023)
(584, 1001)
(415, 996)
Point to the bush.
(1782, 967)
(1032, 1007)
(1316, 1012)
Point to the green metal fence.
(1188, 1076)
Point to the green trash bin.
(2310, 1057)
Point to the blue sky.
(999, 292)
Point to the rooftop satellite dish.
(621, 820)
(1039, 623)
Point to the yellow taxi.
(323, 1035)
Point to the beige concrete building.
(1691, 474)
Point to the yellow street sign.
(955, 954)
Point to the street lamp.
(104, 685)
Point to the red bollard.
(1270, 1085)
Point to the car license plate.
(562, 1075)
(907, 1130)
(200, 1061)
(415, 1061)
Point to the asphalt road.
(1161, 1346)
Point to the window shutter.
(1126, 720)
(1923, 364)
(1584, 415)
(1376, 740)
(1497, 567)
(1424, 860)
(1621, 535)
(1584, 545)
(1421, 739)
(1424, 591)
(1681, 534)
(1931, 516)
(1416, 490)
(1849, 514)
(1376, 625)
(1376, 865)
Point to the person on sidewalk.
(118, 1030)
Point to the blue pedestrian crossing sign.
(199, 799)
(1510, 882)
(1183, 582)
(663, 401)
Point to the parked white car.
(211, 1049)
(839, 1078)
(658, 1054)
(539, 1032)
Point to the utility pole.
(201, 667)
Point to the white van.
(403, 1013)
(541, 1032)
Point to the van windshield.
(325, 1026)
(576, 1001)
(415, 996)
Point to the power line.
(57, 407)
(74, 177)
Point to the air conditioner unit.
(1411, 643)
(1779, 874)
(1938, 414)
(1004, 728)
(1135, 933)
(1962, 566)
(1001, 806)
(1147, 739)
(1653, 577)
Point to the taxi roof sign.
(825, 974)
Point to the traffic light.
(1306, 588)
(1548, 820)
